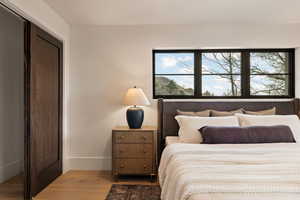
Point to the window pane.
(221, 63)
(269, 85)
(174, 85)
(174, 63)
(219, 85)
(269, 63)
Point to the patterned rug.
(134, 192)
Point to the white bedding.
(172, 140)
(230, 172)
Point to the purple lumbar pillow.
(247, 135)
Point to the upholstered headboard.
(167, 125)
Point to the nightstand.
(134, 151)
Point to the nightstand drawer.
(133, 137)
(134, 166)
(133, 151)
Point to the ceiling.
(140, 12)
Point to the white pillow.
(189, 126)
(271, 120)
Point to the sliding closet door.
(45, 108)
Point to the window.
(174, 74)
(269, 74)
(221, 74)
(226, 73)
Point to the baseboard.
(10, 170)
(66, 164)
(89, 163)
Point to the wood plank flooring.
(12, 189)
(85, 185)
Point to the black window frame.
(245, 73)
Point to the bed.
(226, 171)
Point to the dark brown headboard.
(167, 125)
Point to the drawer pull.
(145, 166)
(121, 151)
(122, 166)
(145, 151)
(121, 137)
(144, 138)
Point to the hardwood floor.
(85, 185)
(12, 189)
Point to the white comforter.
(230, 172)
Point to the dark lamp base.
(135, 117)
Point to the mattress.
(172, 140)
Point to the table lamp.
(135, 97)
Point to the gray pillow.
(247, 135)
(215, 113)
(204, 113)
(271, 111)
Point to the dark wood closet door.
(45, 105)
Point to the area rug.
(134, 192)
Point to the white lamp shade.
(135, 97)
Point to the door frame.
(27, 182)
(27, 88)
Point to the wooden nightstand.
(134, 151)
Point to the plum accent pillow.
(189, 126)
(247, 135)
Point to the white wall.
(106, 60)
(44, 16)
(11, 96)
